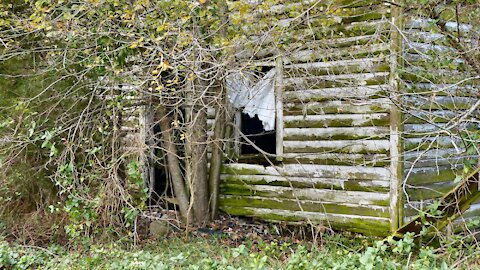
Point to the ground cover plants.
(204, 250)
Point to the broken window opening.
(253, 129)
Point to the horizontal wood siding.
(336, 105)
(438, 90)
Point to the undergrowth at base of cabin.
(334, 251)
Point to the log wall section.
(336, 124)
(438, 90)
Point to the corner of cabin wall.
(396, 126)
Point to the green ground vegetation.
(337, 251)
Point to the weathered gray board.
(345, 162)
(336, 126)
(434, 149)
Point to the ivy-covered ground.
(331, 251)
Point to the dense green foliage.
(336, 252)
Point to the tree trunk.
(196, 152)
(173, 164)
(217, 153)
(199, 162)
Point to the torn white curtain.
(255, 98)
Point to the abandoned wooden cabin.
(352, 120)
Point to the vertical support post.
(279, 107)
(396, 149)
(236, 134)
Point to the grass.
(338, 251)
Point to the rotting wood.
(279, 108)
(433, 174)
(338, 146)
(362, 92)
(341, 120)
(332, 81)
(309, 170)
(395, 145)
(308, 182)
(362, 65)
(452, 205)
(373, 160)
(335, 133)
(351, 106)
(304, 205)
(367, 225)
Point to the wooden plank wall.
(438, 89)
(336, 136)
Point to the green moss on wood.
(345, 122)
(430, 175)
(314, 82)
(362, 225)
(247, 190)
(309, 206)
(351, 185)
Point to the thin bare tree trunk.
(196, 152)
(173, 164)
(199, 163)
(217, 153)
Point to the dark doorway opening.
(160, 189)
(252, 128)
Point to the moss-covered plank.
(429, 25)
(324, 195)
(333, 81)
(339, 30)
(432, 102)
(429, 191)
(422, 130)
(433, 157)
(340, 120)
(326, 49)
(367, 225)
(350, 106)
(467, 89)
(362, 92)
(250, 169)
(426, 175)
(309, 206)
(355, 11)
(321, 54)
(375, 160)
(335, 133)
(414, 116)
(309, 170)
(338, 146)
(431, 142)
(306, 182)
(347, 66)
(417, 74)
